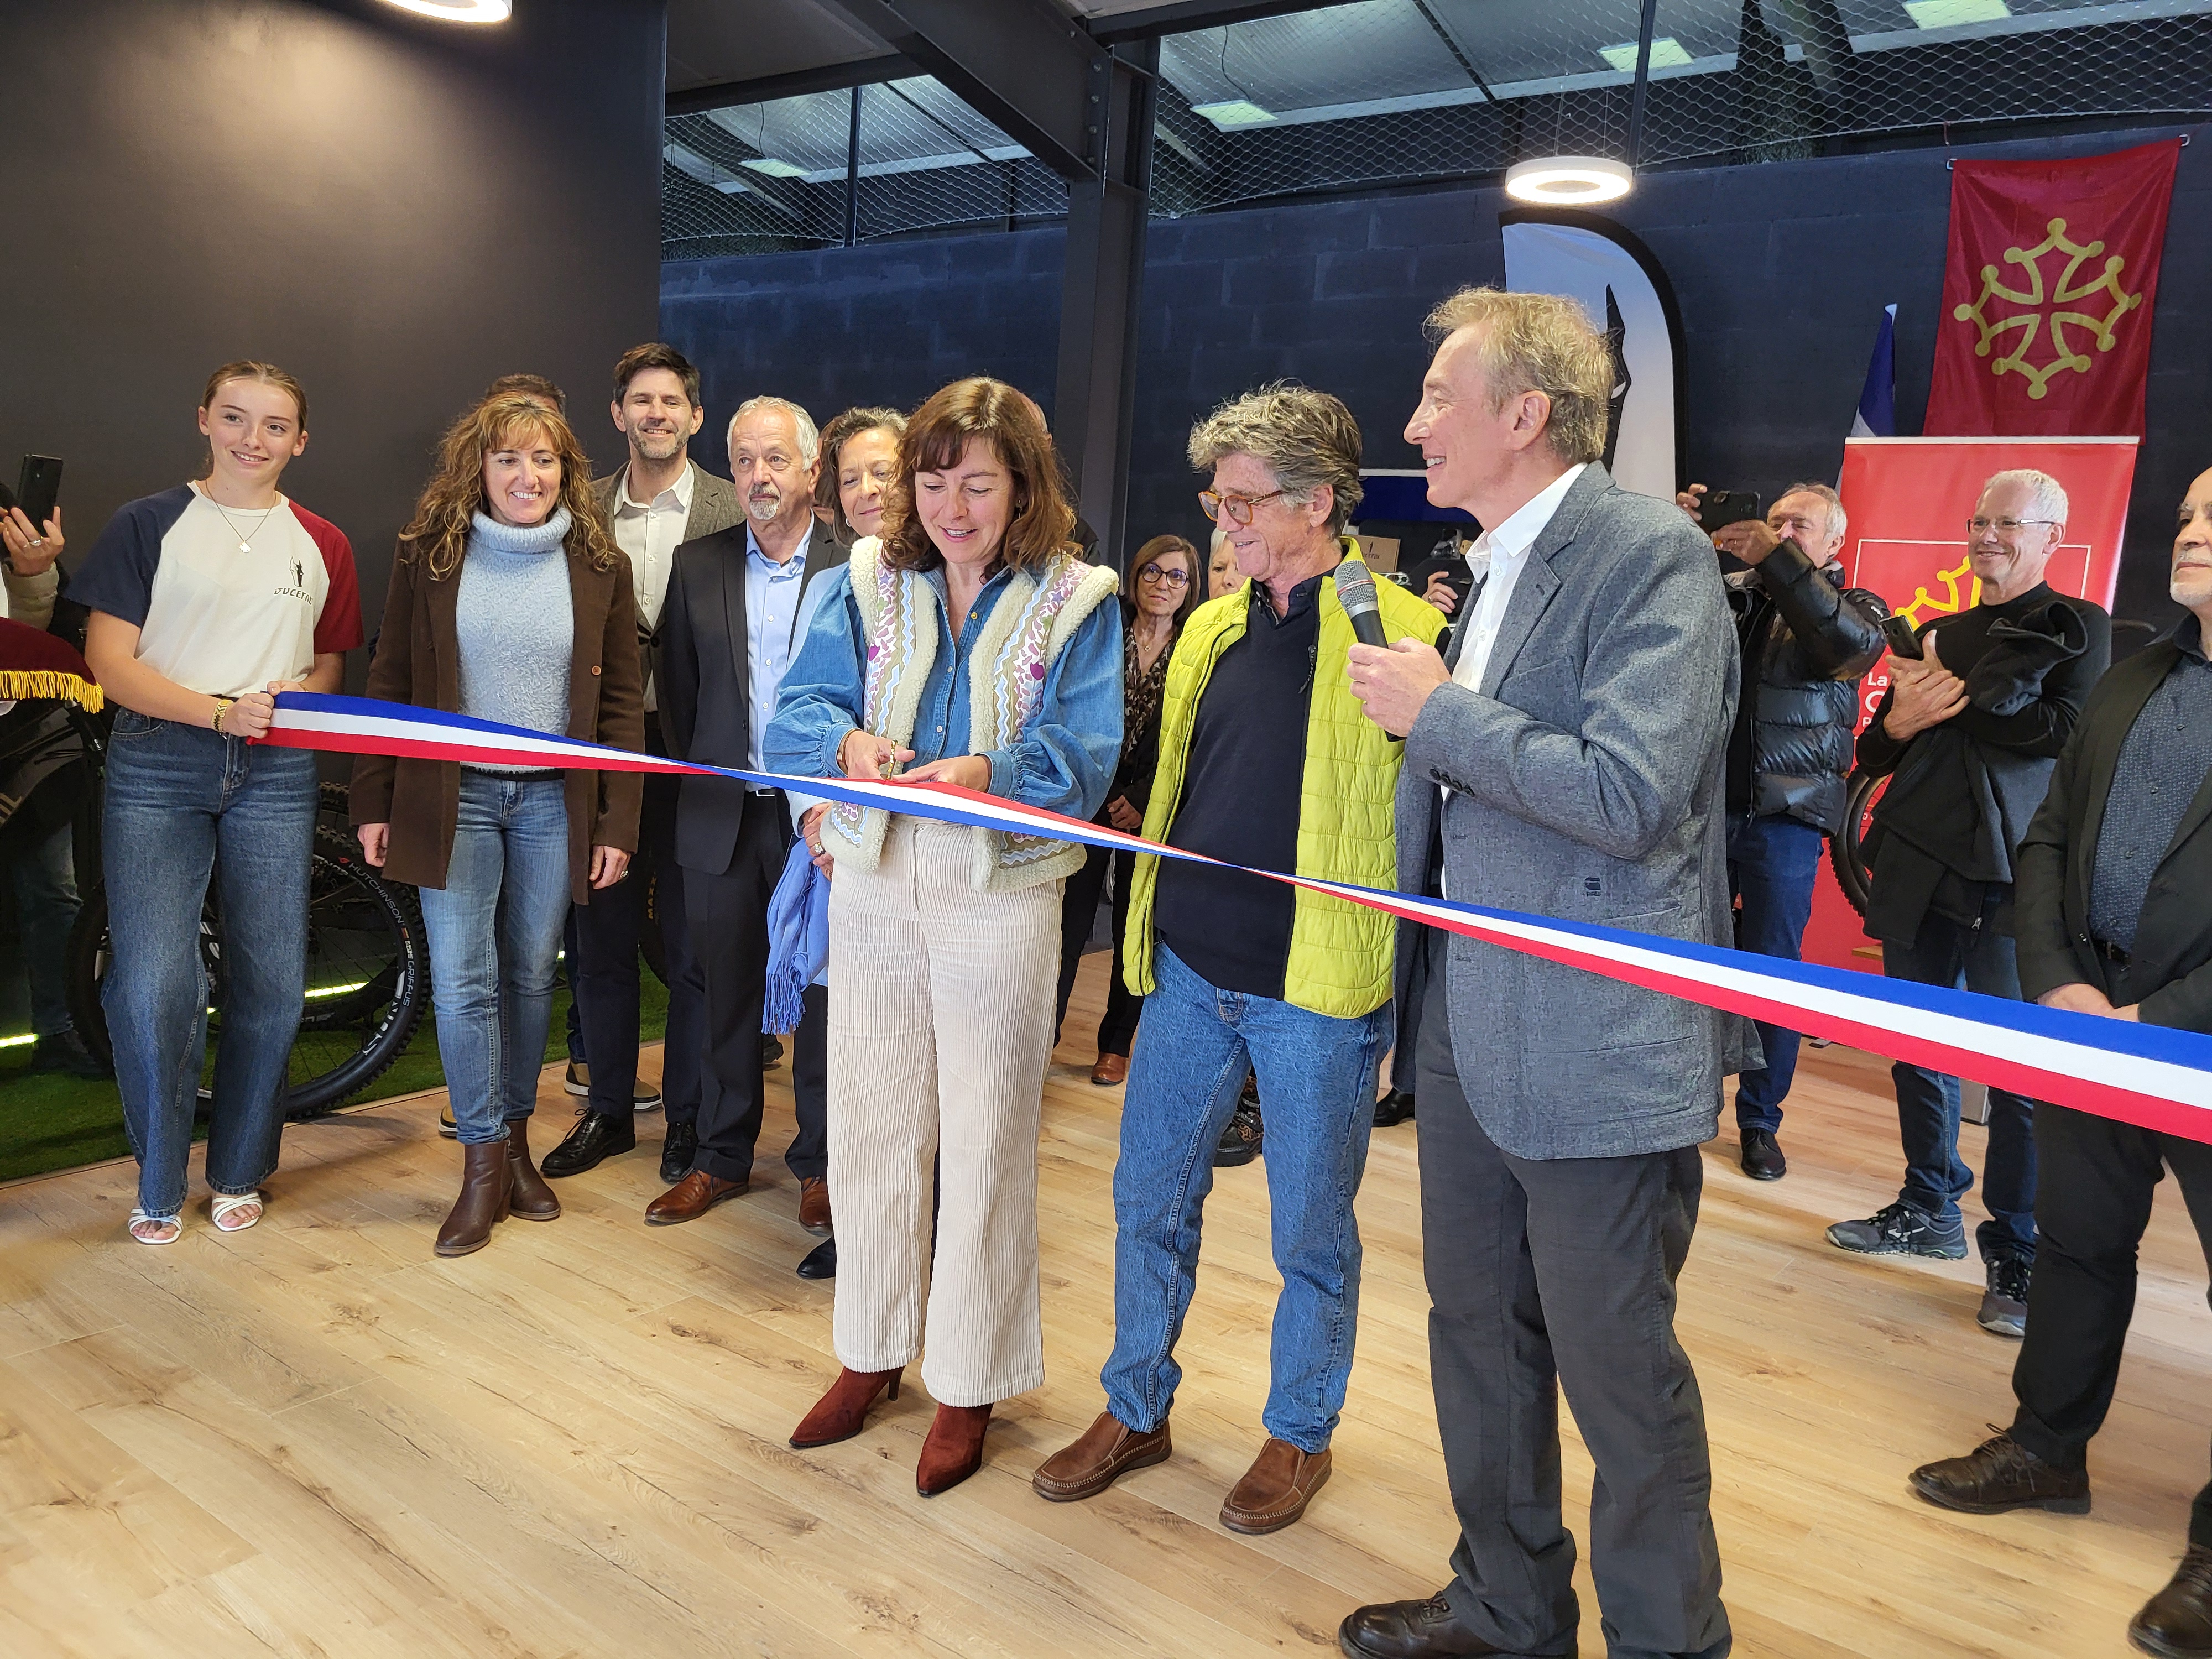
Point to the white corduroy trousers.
(940, 1030)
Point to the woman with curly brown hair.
(971, 645)
(510, 602)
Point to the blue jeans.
(44, 879)
(1317, 1076)
(1976, 958)
(494, 932)
(1772, 862)
(183, 803)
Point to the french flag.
(1877, 411)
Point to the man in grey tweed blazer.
(1564, 757)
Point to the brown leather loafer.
(1110, 1070)
(814, 1206)
(1106, 1451)
(691, 1198)
(1276, 1489)
(1998, 1475)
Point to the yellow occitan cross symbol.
(2063, 293)
(1923, 599)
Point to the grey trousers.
(1550, 1274)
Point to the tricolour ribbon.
(2153, 1075)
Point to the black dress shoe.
(1394, 1108)
(678, 1152)
(1999, 1476)
(1409, 1630)
(2177, 1622)
(771, 1052)
(1762, 1156)
(821, 1261)
(65, 1051)
(596, 1137)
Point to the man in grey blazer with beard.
(1565, 756)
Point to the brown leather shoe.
(691, 1198)
(485, 1184)
(1105, 1451)
(1276, 1489)
(1998, 1475)
(954, 1449)
(814, 1206)
(840, 1414)
(1409, 1630)
(528, 1196)
(2177, 1622)
(1110, 1070)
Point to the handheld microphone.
(1355, 592)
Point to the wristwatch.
(221, 707)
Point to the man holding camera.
(1968, 733)
(2115, 918)
(1806, 640)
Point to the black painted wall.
(395, 209)
(1781, 272)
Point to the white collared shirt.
(649, 532)
(1505, 550)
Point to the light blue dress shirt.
(771, 631)
(1063, 761)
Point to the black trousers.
(604, 970)
(727, 915)
(1551, 1274)
(1079, 907)
(2094, 1179)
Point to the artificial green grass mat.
(51, 1120)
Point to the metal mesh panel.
(756, 178)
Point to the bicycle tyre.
(1846, 851)
(399, 992)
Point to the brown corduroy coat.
(418, 660)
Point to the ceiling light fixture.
(1233, 113)
(1569, 180)
(458, 11)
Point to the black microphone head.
(1355, 586)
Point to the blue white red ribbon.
(2153, 1075)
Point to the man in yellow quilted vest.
(1264, 761)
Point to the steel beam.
(1094, 404)
(831, 77)
(1021, 64)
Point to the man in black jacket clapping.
(1970, 734)
(2115, 918)
(1806, 640)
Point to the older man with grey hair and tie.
(1563, 756)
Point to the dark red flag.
(2048, 295)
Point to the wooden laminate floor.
(314, 1438)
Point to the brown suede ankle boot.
(528, 1196)
(840, 1414)
(485, 1183)
(954, 1449)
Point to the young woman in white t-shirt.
(207, 599)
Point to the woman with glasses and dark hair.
(1164, 587)
(969, 646)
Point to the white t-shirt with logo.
(224, 601)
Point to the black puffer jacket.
(1805, 641)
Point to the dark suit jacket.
(705, 685)
(2170, 972)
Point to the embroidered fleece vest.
(1035, 614)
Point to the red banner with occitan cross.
(2048, 294)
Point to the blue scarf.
(798, 939)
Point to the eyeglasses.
(2002, 527)
(1157, 571)
(1237, 507)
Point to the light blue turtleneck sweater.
(516, 626)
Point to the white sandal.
(226, 1204)
(140, 1219)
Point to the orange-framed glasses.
(1238, 508)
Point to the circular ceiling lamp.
(458, 11)
(1568, 182)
